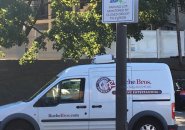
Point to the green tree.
(11, 23)
(17, 18)
(12, 19)
(153, 14)
(75, 33)
(78, 33)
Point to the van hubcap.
(148, 127)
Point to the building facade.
(135, 49)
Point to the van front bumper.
(173, 127)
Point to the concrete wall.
(20, 82)
(155, 44)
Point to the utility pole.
(130, 15)
(121, 88)
(178, 32)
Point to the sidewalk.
(180, 119)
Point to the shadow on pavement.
(180, 118)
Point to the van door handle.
(96, 106)
(81, 107)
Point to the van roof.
(83, 69)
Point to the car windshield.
(42, 88)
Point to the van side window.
(66, 91)
(72, 91)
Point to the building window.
(182, 5)
(42, 7)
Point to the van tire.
(19, 124)
(148, 123)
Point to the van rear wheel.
(19, 125)
(148, 124)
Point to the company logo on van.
(105, 85)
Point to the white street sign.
(120, 11)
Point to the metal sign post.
(121, 90)
(120, 11)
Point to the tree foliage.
(153, 14)
(13, 15)
(75, 33)
(78, 33)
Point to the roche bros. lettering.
(131, 81)
(139, 81)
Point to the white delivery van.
(83, 98)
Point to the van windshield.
(41, 89)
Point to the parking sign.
(120, 11)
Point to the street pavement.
(180, 119)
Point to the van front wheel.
(148, 124)
(19, 125)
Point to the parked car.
(180, 94)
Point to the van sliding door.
(102, 98)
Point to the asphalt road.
(180, 119)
